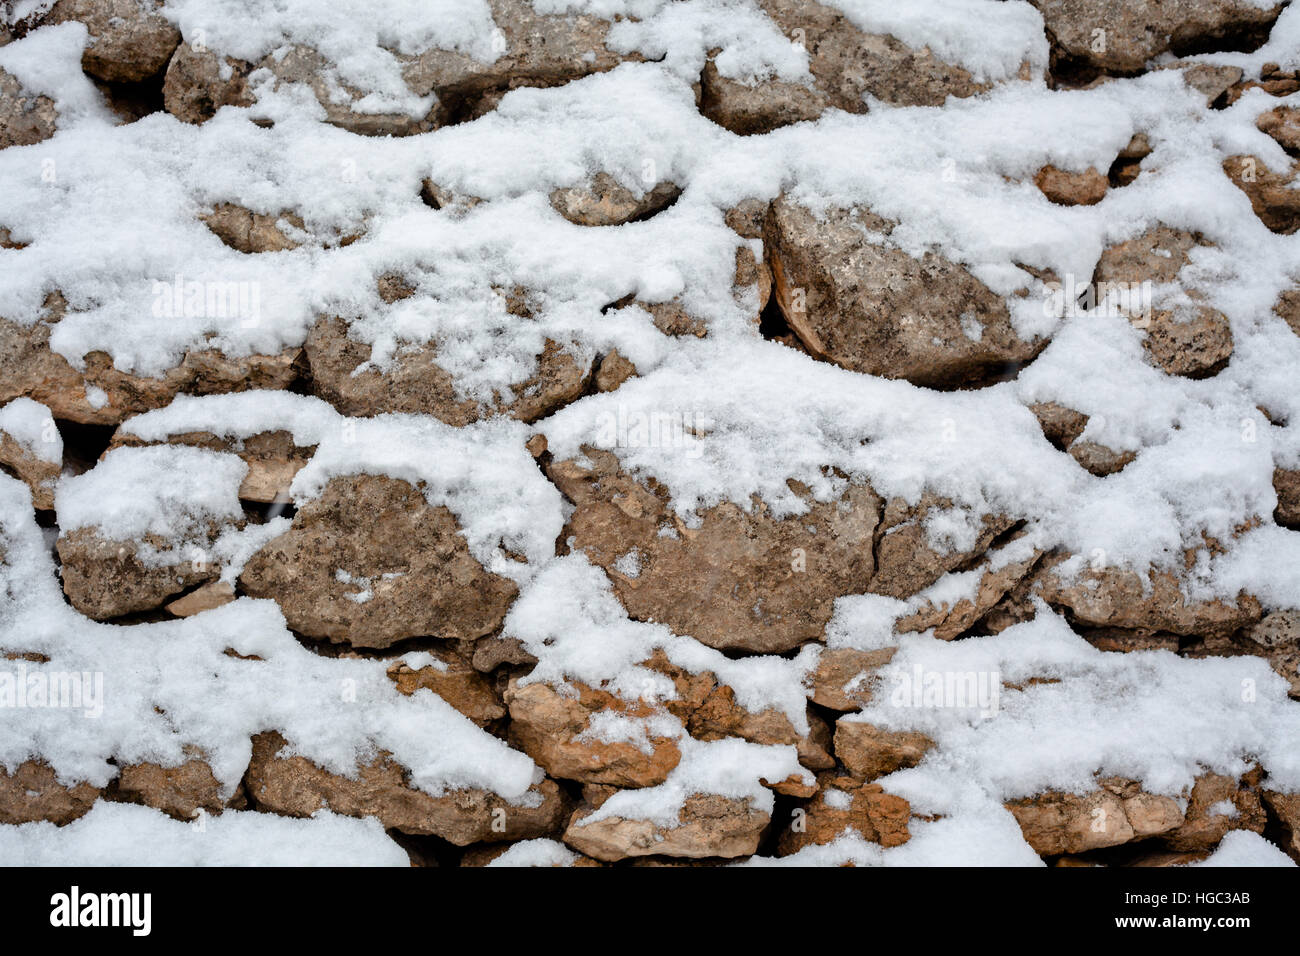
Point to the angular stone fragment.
(130, 40)
(738, 580)
(842, 678)
(181, 792)
(1285, 808)
(1275, 197)
(841, 804)
(1283, 124)
(868, 751)
(951, 621)
(198, 83)
(1122, 37)
(1070, 188)
(856, 301)
(33, 792)
(721, 716)
(1217, 804)
(709, 825)
(294, 786)
(1111, 597)
(605, 202)
(105, 578)
(1119, 812)
(454, 680)
(38, 473)
(25, 118)
(250, 232)
(214, 594)
(370, 563)
(417, 384)
(1062, 426)
(556, 730)
(906, 561)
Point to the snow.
(116, 834)
(31, 425)
(536, 853)
(239, 415)
(1244, 848)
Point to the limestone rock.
(737, 581)
(1285, 808)
(1206, 823)
(858, 302)
(951, 621)
(842, 678)
(605, 202)
(25, 118)
(1122, 37)
(1070, 188)
(32, 792)
(843, 803)
(709, 825)
(454, 680)
(1062, 427)
(198, 83)
(181, 792)
(377, 536)
(721, 716)
(868, 751)
(555, 729)
(250, 232)
(1054, 823)
(130, 40)
(1111, 597)
(105, 578)
(906, 562)
(39, 474)
(294, 786)
(214, 594)
(1275, 197)
(416, 383)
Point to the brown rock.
(1203, 828)
(1286, 482)
(25, 118)
(842, 679)
(32, 792)
(181, 792)
(1275, 197)
(1054, 823)
(491, 652)
(950, 622)
(1111, 597)
(1072, 189)
(1285, 809)
(605, 202)
(742, 581)
(1288, 308)
(416, 383)
(38, 474)
(1283, 124)
(129, 40)
(1195, 347)
(709, 825)
(249, 232)
(872, 308)
(194, 88)
(411, 558)
(613, 371)
(105, 579)
(456, 682)
(877, 816)
(721, 716)
(294, 786)
(905, 561)
(550, 726)
(1121, 38)
(1062, 427)
(869, 751)
(214, 594)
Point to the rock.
(25, 118)
(869, 307)
(104, 578)
(1273, 80)
(737, 581)
(1288, 308)
(250, 232)
(868, 751)
(842, 679)
(721, 716)
(613, 371)
(198, 83)
(1275, 197)
(1121, 38)
(416, 383)
(555, 729)
(181, 792)
(1205, 823)
(1285, 808)
(455, 681)
(905, 560)
(1111, 597)
(129, 40)
(709, 825)
(1283, 124)
(294, 786)
(950, 622)
(377, 536)
(1062, 427)
(1099, 459)
(34, 370)
(39, 474)
(1054, 823)
(491, 652)
(205, 597)
(272, 458)
(846, 65)
(1192, 341)
(843, 803)
(603, 201)
(1070, 188)
(33, 792)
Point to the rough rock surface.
(416, 566)
(130, 41)
(37, 473)
(868, 751)
(33, 792)
(195, 87)
(25, 118)
(858, 302)
(105, 578)
(843, 803)
(708, 825)
(1274, 196)
(1119, 812)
